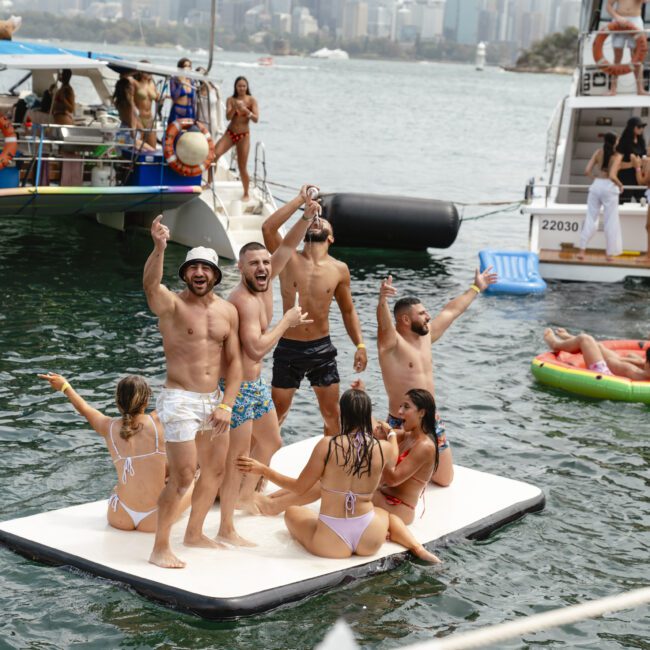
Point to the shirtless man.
(253, 412)
(405, 355)
(317, 278)
(628, 11)
(196, 327)
(597, 357)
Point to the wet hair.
(182, 62)
(423, 400)
(356, 412)
(609, 142)
(248, 87)
(66, 75)
(131, 396)
(403, 304)
(120, 94)
(626, 141)
(251, 246)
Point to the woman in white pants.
(604, 191)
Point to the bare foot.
(245, 198)
(203, 542)
(267, 506)
(641, 91)
(166, 560)
(235, 539)
(581, 255)
(550, 339)
(562, 333)
(423, 554)
(611, 93)
(249, 506)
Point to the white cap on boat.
(201, 254)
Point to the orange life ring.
(174, 129)
(638, 56)
(11, 142)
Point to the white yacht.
(96, 168)
(557, 199)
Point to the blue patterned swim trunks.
(252, 402)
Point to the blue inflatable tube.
(518, 271)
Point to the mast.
(213, 25)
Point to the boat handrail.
(558, 118)
(568, 186)
(260, 182)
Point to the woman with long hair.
(145, 94)
(63, 100)
(241, 109)
(131, 133)
(348, 467)
(631, 143)
(137, 446)
(182, 93)
(418, 458)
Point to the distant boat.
(199, 51)
(326, 53)
(480, 56)
(265, 60)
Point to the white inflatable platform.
(225, 584)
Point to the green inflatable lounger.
(226, 584)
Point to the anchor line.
(511, 208)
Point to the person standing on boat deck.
(181, 90)
(622, 168)
(145, 94)
(317, 278)
(405, 356)
(254, 413)
(63, 102)
(137, 447)
(132, 129)
(626, 11)
(597, 357)
(197, 326)
(241, 109)
(642, 171)
(604, 191)
(346, 469)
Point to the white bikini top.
(128, 469)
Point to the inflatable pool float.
(568, 371)
(517, 271)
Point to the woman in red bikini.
(402, 486)
(241, 108)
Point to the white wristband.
(390, 433)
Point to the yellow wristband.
(475, 288)
(361, 346)
(65, 387)
(225, 407)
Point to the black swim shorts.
(292, 360)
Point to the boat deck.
(569, 255)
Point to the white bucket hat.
(201, 254)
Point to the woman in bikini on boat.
(63, 102)
(137, 447)
(183, 94)
(348, 467)
(419, 455)
(241, 108)
(144, 95)
(131, 132)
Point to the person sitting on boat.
(183, 94)
(348, 468)
(241, 108)
(604, 191)
(622, 167)
(642, 171)
(626, 11)
(144, 95)
(131, 132)
(597, 357)
(405, 356)
(137, 447)
(418, 459)
(63, 102)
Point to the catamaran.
(96, 168)
(558, 198)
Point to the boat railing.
(593, 75)
(259, 179)
(548, 187)
(553, 138)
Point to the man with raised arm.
(318, 278)
(199, 334)
(405, 354)
(628, 11)
(253, 412)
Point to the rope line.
(511, 208)
(537, 622)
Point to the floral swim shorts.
(253, 401)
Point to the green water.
(72, 302)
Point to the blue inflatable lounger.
(518, 271)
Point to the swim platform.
(226, 584)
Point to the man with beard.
(405, 352)
(253, 413)
(307, 349)
(199, 335)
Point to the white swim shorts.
(184, 413)
(621, 40)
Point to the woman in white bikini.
(137, 447)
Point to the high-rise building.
(355, 19)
